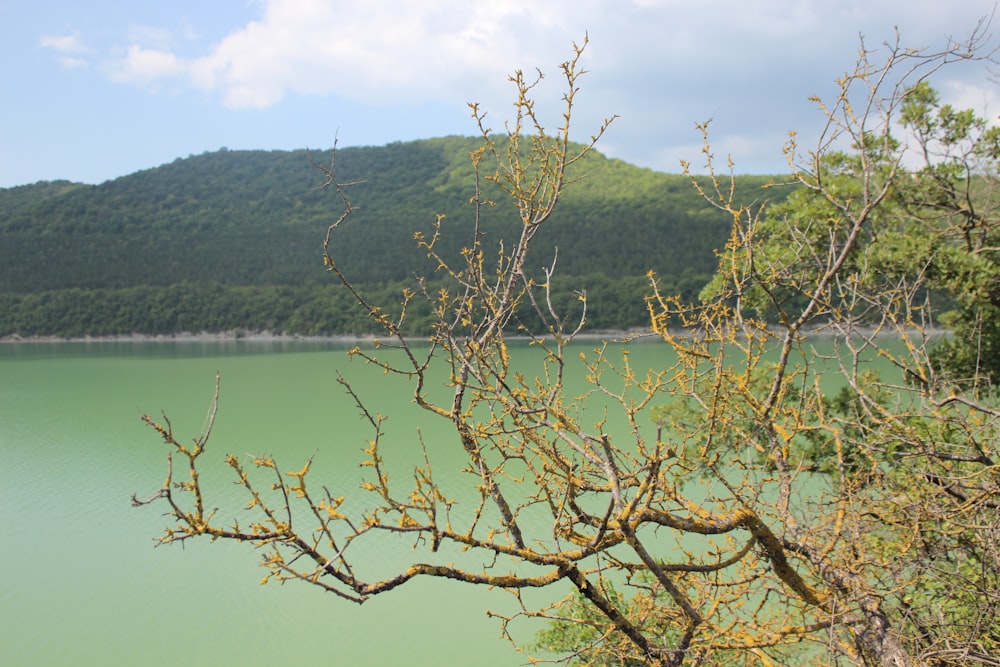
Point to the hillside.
(201, 234)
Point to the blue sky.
(96, 89)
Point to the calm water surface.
(83, 584)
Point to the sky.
(97, 89)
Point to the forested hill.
(232, 239)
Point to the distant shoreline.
(265, 337)
(271, 337)
(188, 337)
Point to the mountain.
(229, 226)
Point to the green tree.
(704, 531)
(942, 214)
(954, 201)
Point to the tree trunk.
(878, 646)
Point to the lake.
(83, 583)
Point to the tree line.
(204, 242)
(614, 303)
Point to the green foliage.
(585, 637)
(74, 257)
(311, 310)
(933, 231)
(954, 201)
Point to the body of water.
(82, 582)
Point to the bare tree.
(747, 513)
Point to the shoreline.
(189, 337)
(265, 337)
(631, 335)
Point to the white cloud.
(70, 50)
(661, 64)
(63, 43)
(70, 62)
(150, 36)
(379, 52)
(390, 51)
(142, 65)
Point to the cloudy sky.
(98, 89)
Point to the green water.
(82, 582)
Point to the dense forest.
(231, 240)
